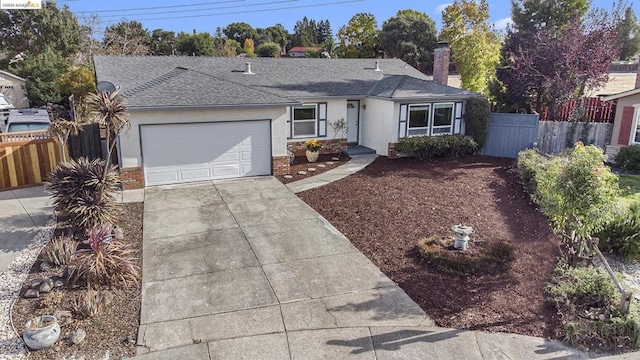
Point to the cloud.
(440, 8)
(502, 23)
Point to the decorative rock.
(44, 266)
(329, 162)
(302, 173)
(118, 233)
(35, 283)
(106, 297)
(311, 169)
(288, 177)
(322, 165)
(76, 336)
(58, 283)
(335, 158)
(31, 293)
(64, 317)
(46, 286)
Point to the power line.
(158, 7)
(213, 8)
(249, 11)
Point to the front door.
(353, 115)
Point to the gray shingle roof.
(213, 81)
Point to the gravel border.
(11, 281)
(631, 272)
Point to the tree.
(628, 35)
(77, 81)
(41, 72)
(324, 31)
(200, 44)
(240, 32)
(249, 47)
(305, 33)
(162, 42)
(268, 49)
(410, 36)
(359, 38)
(89, 45)
(61, 130)
(34, 30)
(330, 46)
(474, 43)
(530, 16)
(563, 63)
(126, 38)
(279, 35)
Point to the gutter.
(207, 107)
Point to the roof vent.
(378, 66)
(247, 68)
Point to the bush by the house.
(83, 196)
(476, 119)
(628, 158)
(433, 147)
(528, 163)
(622, 234)
(586, 300)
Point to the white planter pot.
(312, 156)
(40, 338)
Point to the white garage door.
(178, 153)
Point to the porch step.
(353, 150)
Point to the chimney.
(247, 68)
(638, 77)
(441, 57)
(378, 66)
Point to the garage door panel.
(205, 151)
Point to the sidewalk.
(22, 213)
(354, 165)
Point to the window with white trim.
(419, 118)
(636, 134)
(305, 119)
(442, 119)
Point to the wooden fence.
(509, 134)
(25, 163)
(555, 136)
(595, 110)
(24, 135)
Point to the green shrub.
(622, 234)
(81, 197)
(432, 147)
(268, 49)
(476, 119)
(529, 162)
(628, 157)
(587, 300)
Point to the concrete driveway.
(244, 269)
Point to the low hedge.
(628, 158)
(433, 147)
(529, 162)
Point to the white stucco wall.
(336, 110)
(129, 142)
(378, 124)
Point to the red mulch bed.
(114, 329)
(389, 206)
(301, 164)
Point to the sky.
(207, 15)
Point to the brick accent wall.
(332, 146)
(441, 57)
(280, 165)
(391, 151)
(132, 178)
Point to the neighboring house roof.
(6, 73)
(621, 95)
(304, 49)
(149, 81)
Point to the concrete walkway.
(354, 165)
(244, 269)
(22, 213)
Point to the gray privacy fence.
(555, 136)
(508, 134)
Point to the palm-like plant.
(110, 111)
(61, 130)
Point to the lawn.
(630, 188)
(389, 206)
